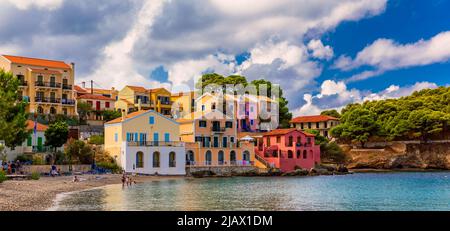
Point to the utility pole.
(92, 86)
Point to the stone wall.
(221, 170)
(28, 169)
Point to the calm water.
(363, 191)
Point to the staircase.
(263, 161)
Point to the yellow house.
(133, 98)
(146, 142)
(46, 84)
(211, 140)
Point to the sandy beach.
(39, 195)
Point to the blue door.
(155, 138)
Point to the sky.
(323, 53)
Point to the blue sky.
(324, 54)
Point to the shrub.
(331, 152)
(2, 176)
(97, 139)
(24, 158)
(35, 176)
(38, 160)
(113, 167)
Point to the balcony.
(23, 83)
(39, 99)
(218, 129)
(155, 144)
(47, 84)
(68, 102)
(67, 87)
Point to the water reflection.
(391, 191)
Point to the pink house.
(287, 148)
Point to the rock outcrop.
(398, 155)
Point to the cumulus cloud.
(42, 4)
(385, 54)
(335, 95)
(319, 50)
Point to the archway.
(139, 159)
(172, 158)
(221, 157)
(208, 157)
(156, 160)
(190, 158)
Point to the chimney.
(72, 64)
(139, 104)
(92, 87)
(83, 84)
(124, 114)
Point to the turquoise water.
(361, 191)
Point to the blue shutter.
(166, 137)
(151, 120)
(136, 137)
(128, 137)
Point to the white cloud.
(386, 54)
(41, 4)
(319, 50)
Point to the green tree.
(13, 116)
(56, 135)
(283, 111)
(331, 152)
(332, 113)
(319, 139)
(110, 115)
(79, 152)
(84, 109)
(97, 140)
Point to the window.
(116, 137)
(317, 125)
(301, 126)
(166, 137)
(139, 160)
(231, 139)
(224, 141)
(278, 139)
(213, 106)
(52, 110)
(299, 140)
(151, 120)
(251, 122)
(304, 154)
(251, 109)
(216, 141)
(298, 154)
(221, 157)
(290, 154)
(228, 124)
(107, 104)
(202, 123)
(208, 157)
(325, 124)
(203, 107)
(309, 125)
(268, 141)
(291, 140)
(232, 157)
(172, 158)
(156, 159)
(325, 133)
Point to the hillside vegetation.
(424, 115)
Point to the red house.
(287, 148)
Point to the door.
(53, 81)
(39, 144)
(97, 106)
(216, 141)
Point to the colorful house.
(134, 98)
(46, 84)
(287, 148)
(211, 140)
(98, 103)
(321, 123)
(146, 142)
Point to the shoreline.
(41, 195)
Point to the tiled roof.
(284, 131)
(37, 62)
(79, 89)
(97, 97)
(131, 115)
(312, 119)
(137, 89)
(43, 71)
(39, 127)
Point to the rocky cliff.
(401, 155)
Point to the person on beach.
(75, 179)
(53, 171)
(123, 180)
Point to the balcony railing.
(155, 144)
(47, 84)
(68, 101)
(219, 163)
(23, 83)
(218, 129)
(39, 99)
(67, 87)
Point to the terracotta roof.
(79, 89)
(97, 97)
(312, 119)
(284, 131)
(39, 127)
(126, 101)
(251, 134)
(136, 88)
(131, 115)
(37, 62)
(104, 91)
(43, 71)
